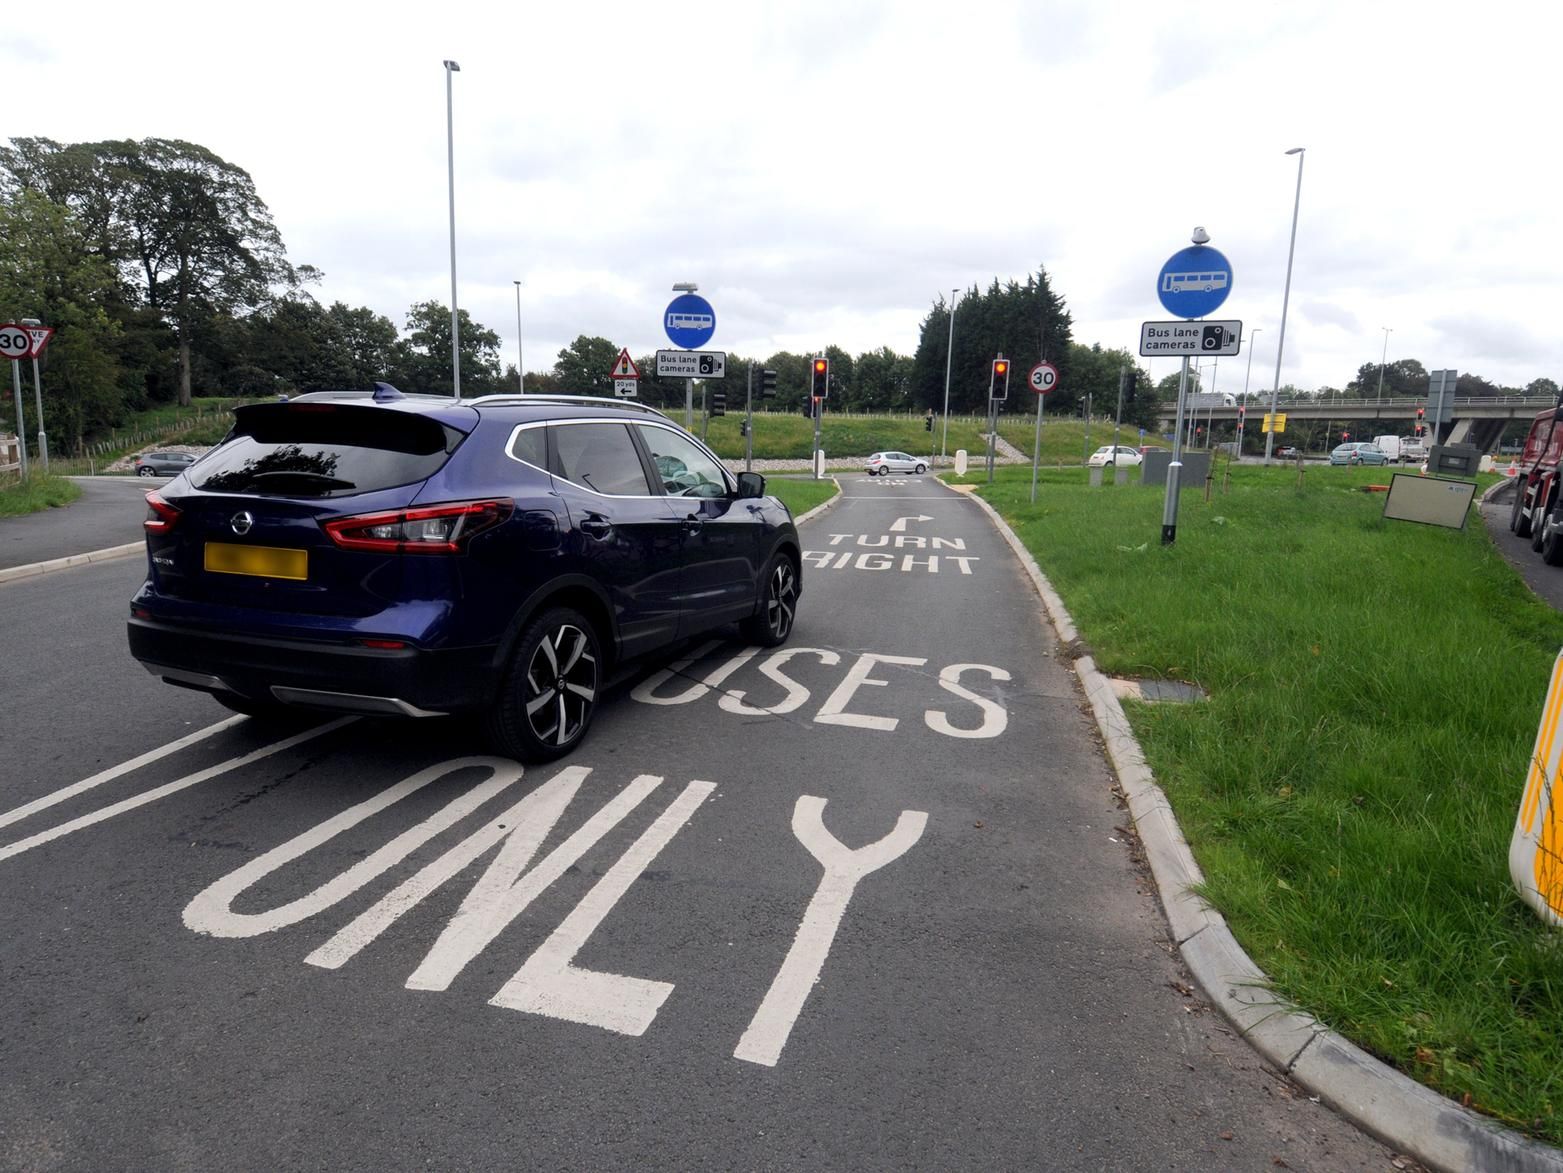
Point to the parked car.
(885, 463)
(1288, 453)
(163, 464)
(1358, 452)
(1114, 454)
(414, 556)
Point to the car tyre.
(770, 626)
(146, 471)
(1539, 525)
(921, 468)
(1519, 521)
(549, 694)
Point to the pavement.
(1403, 1113)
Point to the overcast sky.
(826, 168)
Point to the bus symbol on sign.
(1185, 282)
(691, 322)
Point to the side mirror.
(750, 484)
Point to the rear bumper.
(406, 681)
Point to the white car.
(1110, 455)
(884, 463)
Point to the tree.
(48, 271)
(422, 357)
(1540, 387)
(585, 367)
(1024, 322)
(203, 239)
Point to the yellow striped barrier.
(1536, 850)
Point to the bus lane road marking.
(548, 983)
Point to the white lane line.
(189, 780)
(86, 784)
(773, 1021)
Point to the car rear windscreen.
(324, 450)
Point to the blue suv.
(417, 556)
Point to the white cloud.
(826, 170)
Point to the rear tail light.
(161, 516)
(431, 529)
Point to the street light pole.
(450, 164)
(1286, 296)
(1383, 358)
(521, 371)
(949, 351)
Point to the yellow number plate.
(259, 561)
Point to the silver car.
(885, 463)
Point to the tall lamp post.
(949, 352)
(1286, 296)
(450, 165)
(1382, 360)
(521, 377)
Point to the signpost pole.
(1169, 513)
(43, 438)
(21, 439)
(992, 425)
(819, 469)
(1036, 451)
(749, 421)
(689, 405)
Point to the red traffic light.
(819, 366)
(1001, 368)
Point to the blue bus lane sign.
(689, 321)
(1194, 281)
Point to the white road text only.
(992, 719)
(848, 558)
(549, 983)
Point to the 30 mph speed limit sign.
(1043, 377)
(14, 342)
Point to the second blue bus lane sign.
(689, 321)
(1194, 281)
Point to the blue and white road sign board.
(1194, 281)
(689, 321)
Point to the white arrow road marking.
(773, 1021)
(898, 526)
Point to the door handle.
(691, 524)
(596, 527)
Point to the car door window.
(602, 458)
(686, 469)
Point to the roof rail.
(628, 404)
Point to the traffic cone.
(1514, 469)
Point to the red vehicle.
(1538, 502)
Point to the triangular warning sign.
(625, 367)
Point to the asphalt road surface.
(865, 901)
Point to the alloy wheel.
(561, 685)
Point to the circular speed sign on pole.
(14, 342)
(1043, 377)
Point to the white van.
(1390, 444)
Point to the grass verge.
(36, 493)
(1350, 787)
(800, 495)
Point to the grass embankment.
(800, 495)
(1350, 787)
(35, 493)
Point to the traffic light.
(1420, 412)
(998, 382)
(1345, 436)
(767, 384)
(1242, 415)
(1131, 381)
(821, 378)
(743, 428)
(718, 403)
(928, 422)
